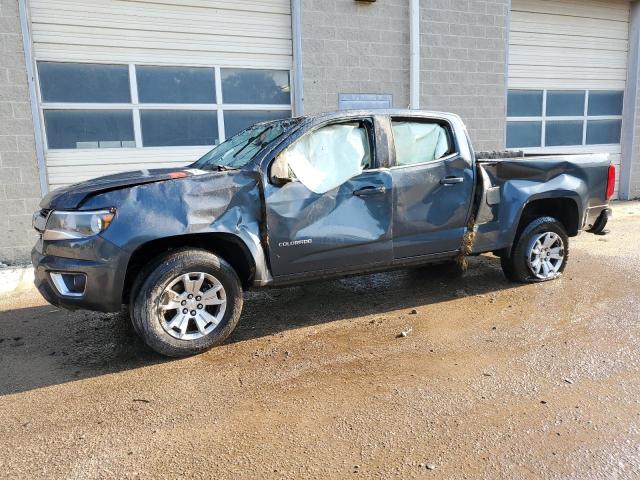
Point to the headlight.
(70, 225)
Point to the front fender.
(227, 204)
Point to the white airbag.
(419, 142)
(329, 156)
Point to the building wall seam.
(33, 95)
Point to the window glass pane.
(255, 86)
(236, 121)
(524, 134)
(175, 85)
(165, 128)
(565, 104)
(89, 128)
(418, 142)
(84, 83)
(605, 103)
(327, 157)
(603, 131)
(524, 103)
(563, 133)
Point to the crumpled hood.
(74, 195)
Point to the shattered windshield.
(238, 150)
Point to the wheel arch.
(563, 206)
(228, 246)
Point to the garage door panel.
(85, 37)
(557, 40)
(71, 166)
(178, 7)
(568, 72)
(599, 9)
(594, 28)
(209, 22)
(132, 28)
(131, 156)
(568, 45)
(246, 35)
(549, 56)
(57, 52)
(264, 31)
(526, 82)
(279, 6)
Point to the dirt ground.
(494, 380)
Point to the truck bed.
(507, 183)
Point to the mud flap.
(601, 223)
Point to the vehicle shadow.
(43, 346)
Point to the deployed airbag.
(329, 156)
(419, 142)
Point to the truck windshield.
(238, 150)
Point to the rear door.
(432, 187)
(345, 227)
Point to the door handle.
(451, 180)
(371, 190)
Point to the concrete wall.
(629, 171)
(634, 191)
(634, 63)
(19, 185)
(354, 47)
(359, 47)
(463, 62)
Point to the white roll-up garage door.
(127, 84)
(567, 75)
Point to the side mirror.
(280, 173)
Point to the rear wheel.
(540, 253)
(186, 302)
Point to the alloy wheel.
(546, 255)
(192, 305)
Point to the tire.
(520, 265)
(160, 296)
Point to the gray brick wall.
(358, 47)
(19, 184)
(354, 47)
(463, 51)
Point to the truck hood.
(73, 196)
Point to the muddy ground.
(494, 380)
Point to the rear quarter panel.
(581, 178)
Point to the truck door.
(328, 204)
(432, 186)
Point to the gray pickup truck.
(303, 199)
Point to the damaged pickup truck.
(302, 199)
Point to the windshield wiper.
(225, 168)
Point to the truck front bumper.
(102, 277)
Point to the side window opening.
(419, 142)
(327, 157)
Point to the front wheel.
(540, 253)
(186, 302)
